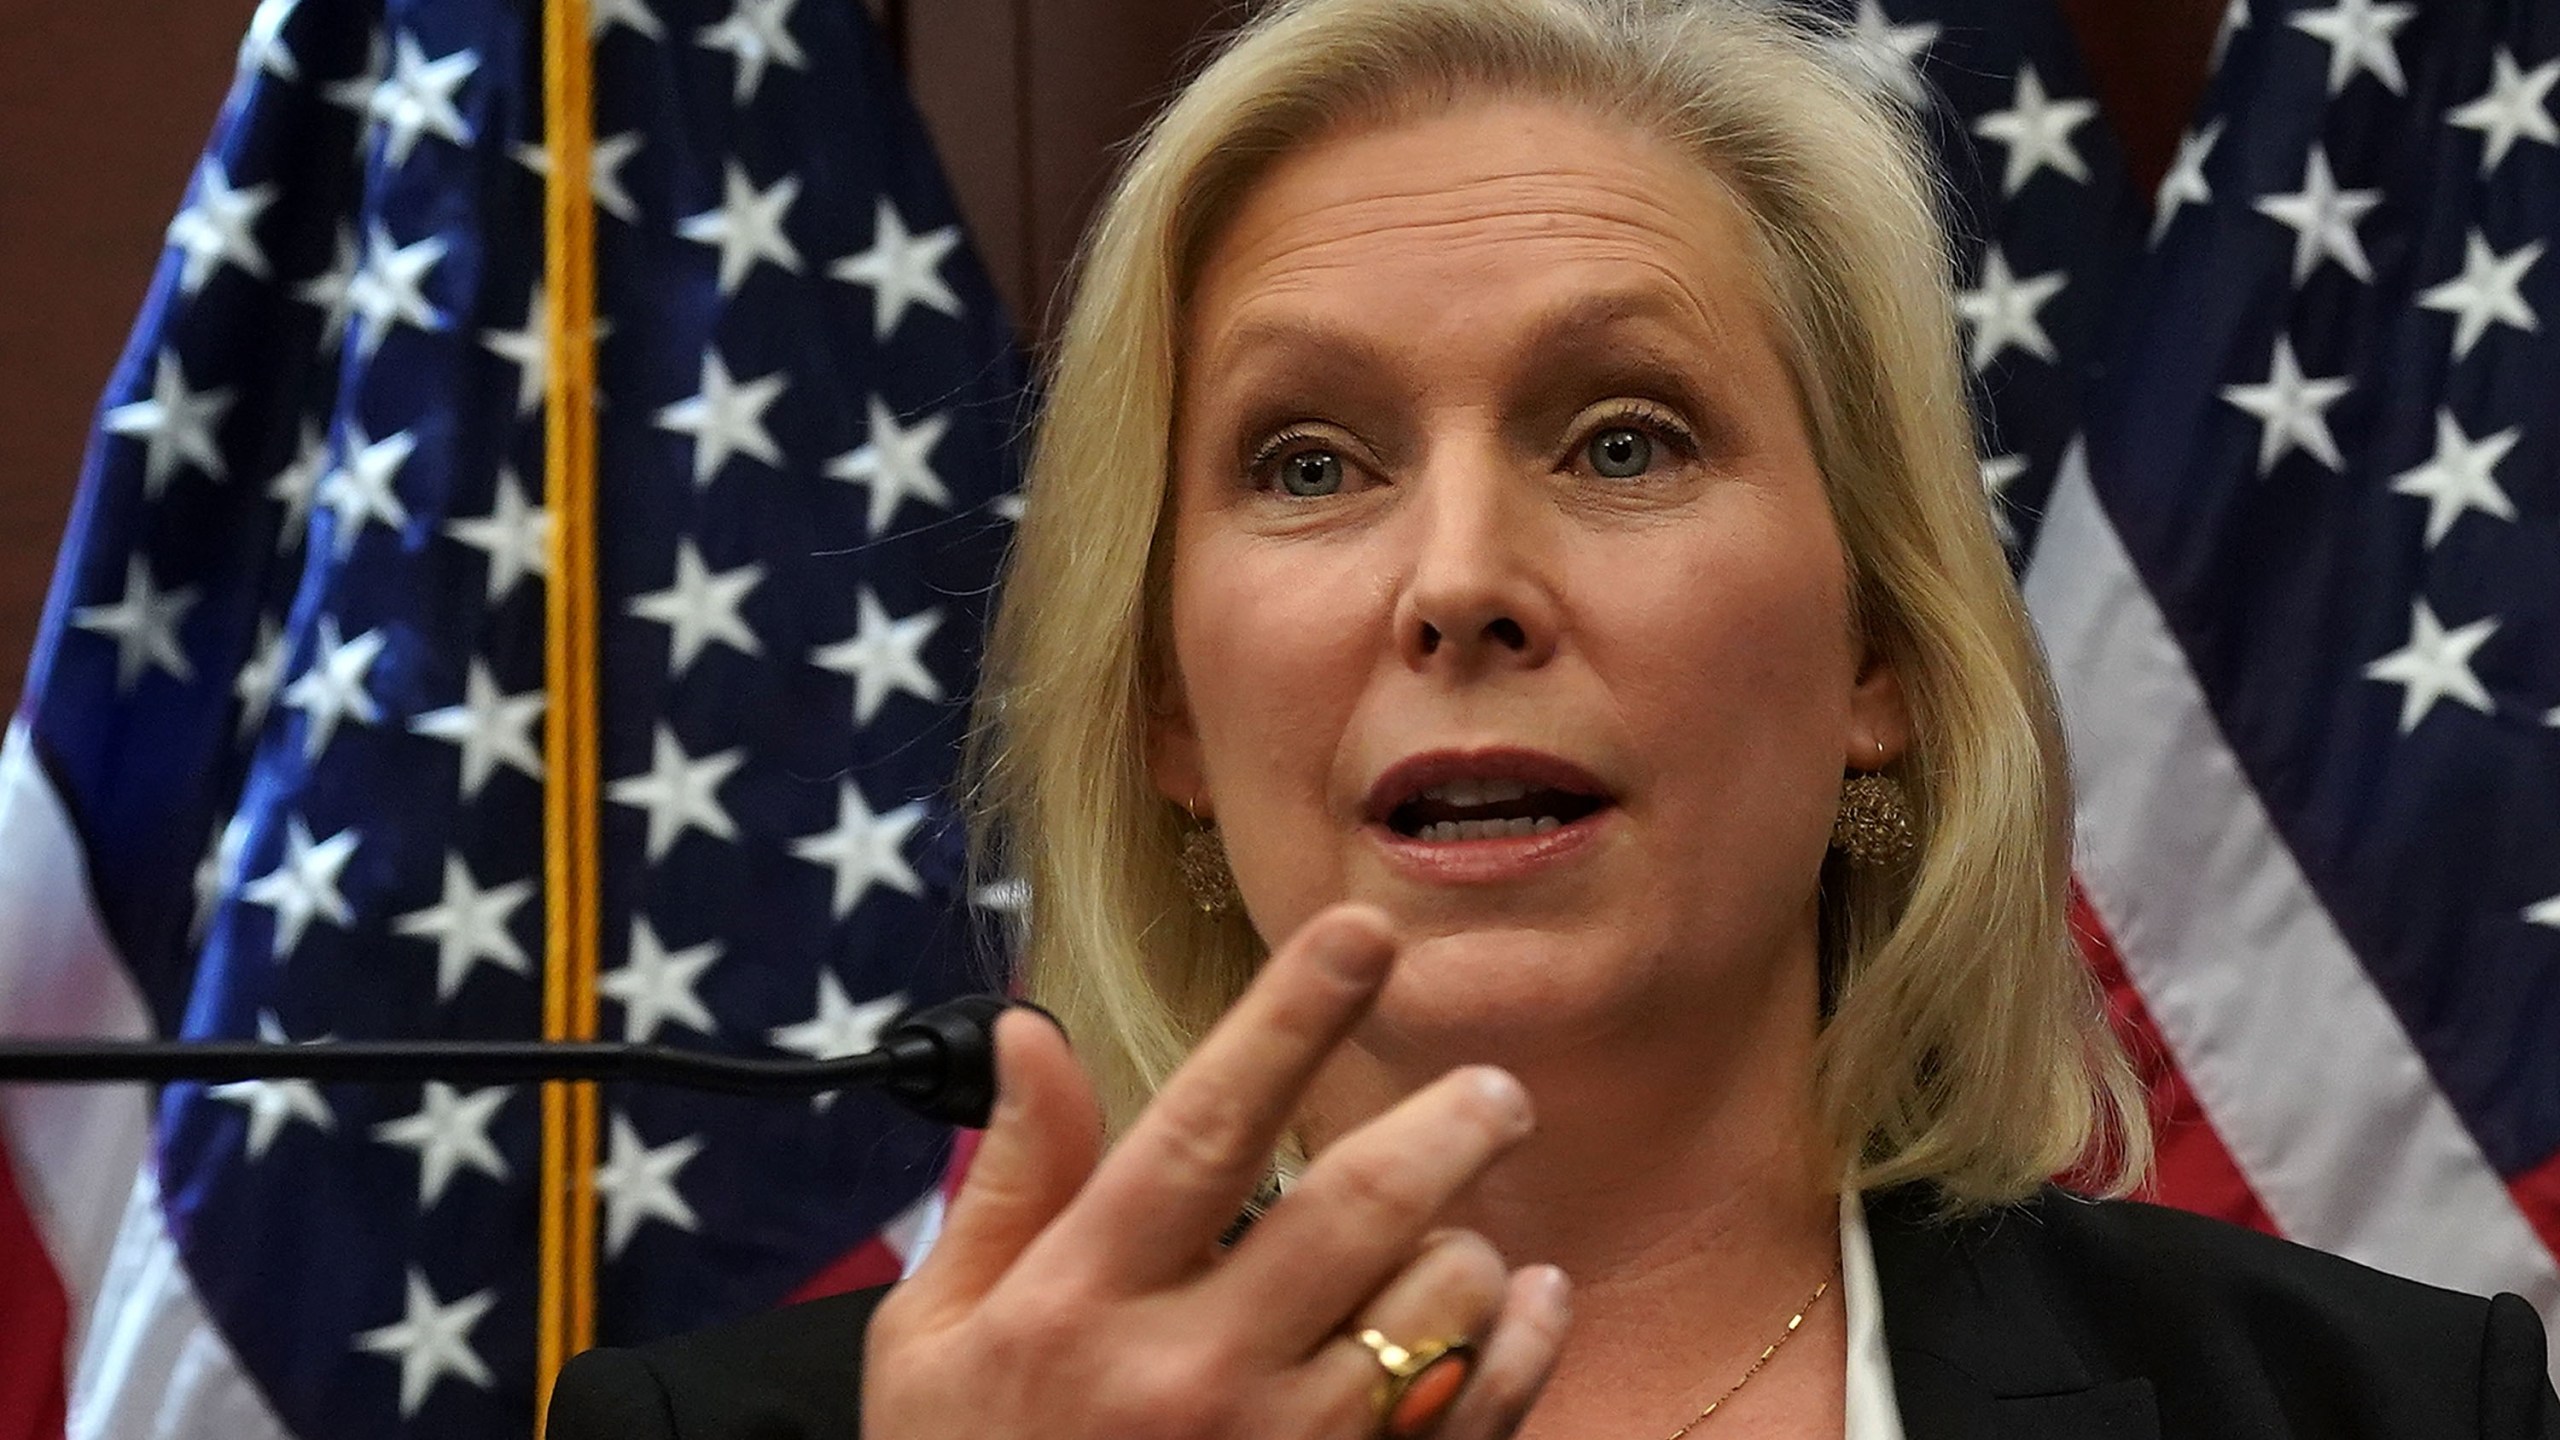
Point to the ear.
(1879, 721)
(1173, 749)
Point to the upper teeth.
(1477, 792)
(1445, 830)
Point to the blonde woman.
(1533, 778)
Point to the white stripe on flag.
(155, 1368)
(2297, 1059)
(77, 1146)
(911, 1233)
(148, 1362)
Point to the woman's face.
(1505, 592)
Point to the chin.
(1510, 994)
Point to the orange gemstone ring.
(1417, 1383)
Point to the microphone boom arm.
(939, 1061)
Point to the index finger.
(1175, 1181)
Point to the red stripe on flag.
(865, 1265)
(2537, 1193)
(35, 1324)
(872, 1262)
(2193, 1170)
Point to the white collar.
(1869, 1407)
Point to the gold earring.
(1205, 873)
(1874, 826)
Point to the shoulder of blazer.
(788, 1374)
(2230, 1332)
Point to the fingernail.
(1553, 1290)
(1503, 1092)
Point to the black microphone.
(939, 1061)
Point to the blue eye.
(1620, 452)
(1311, 472)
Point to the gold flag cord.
(565, 1322)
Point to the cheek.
(1275, 644)
(1732, 662)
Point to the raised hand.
(1074, 1294)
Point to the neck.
(1686, 1186)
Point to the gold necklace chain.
(1794, 1322)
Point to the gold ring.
(1417, 1383)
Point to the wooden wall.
(104, 103)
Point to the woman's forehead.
(1497, 204)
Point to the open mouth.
(1489, 809)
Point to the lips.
(1449, 796)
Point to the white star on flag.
(263, 48)
(2435, 665)
(385, 291)
(894, 464)
(143, 621)
(176, 425)
(2235, 18)
(864, 849)
(469, 926)
(2292, 409)
(2545, 913)
(1889, 54)
(449, 1130)
(333, 688)
(273, 1104)
(2185, 185)
(515, 536)
(255, 687)
(333, 291)
(2461, 476)
(492, 729)
(902, 269)
(2490, 290)
(361, 489)
(355, 93)
(2002, 311)
(2323, 218)
(700, 607)
(431, 1340)
(219, 226)
(757, 33)
(679, 793)
(840, 1027)
(747, 227)
(2036, 131)
(2517, 106)
(417, 98)
(298, 483)
(884, 657)
(726, 418)
(657, 985)
(604, 173)
(603, 14)
(1999, 472)
(218, 871)
(2358, 33)
(638, 1184)
(1011, 896)
(303, 886)
(528, 348)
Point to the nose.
(1481, 592)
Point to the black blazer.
(2062, 1319)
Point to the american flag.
(2278, 454)
(279, 770)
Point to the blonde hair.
(1963, 1042)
